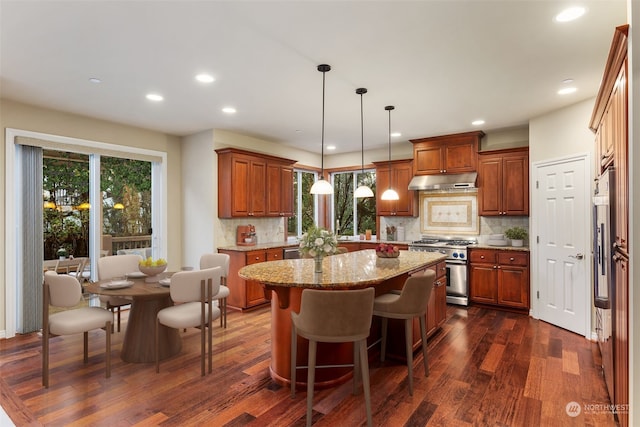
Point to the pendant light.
(322, 186)
(363, 190)
(390, 193)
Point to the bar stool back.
(412, 302)
(333, 316)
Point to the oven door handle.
(455, 262)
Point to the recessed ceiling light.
(396, 134)
(204, 78)
(95, 80)
(567, 81)
(229, 110)
(331, 147)
(477, 122)
(567, 90)
(154, 97)
(570, 14)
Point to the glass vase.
(317, 264)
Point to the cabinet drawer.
(482, 255)
(513, 258)
(274, 254)
(256, 256)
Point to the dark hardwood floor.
(488, 368)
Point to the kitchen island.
(284, 282)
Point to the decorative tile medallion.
(449, 213)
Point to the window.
(353, 216)
(304, 203)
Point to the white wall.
(199, 189)
(562, 133)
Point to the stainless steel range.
(456, 251)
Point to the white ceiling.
(441, 63)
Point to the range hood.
(443, 181)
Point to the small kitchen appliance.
(246, 235)
(456, 251)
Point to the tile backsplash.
(272, 229)
(488, 225)
(268, 230)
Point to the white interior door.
(561, 221)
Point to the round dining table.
(138, 345)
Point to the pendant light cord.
(361, 134)
(389, 108)
(324, 74)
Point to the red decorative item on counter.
(384, 250)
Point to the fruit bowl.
(387, 251)
(152, 272)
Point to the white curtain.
(31, 240)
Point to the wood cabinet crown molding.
(617, 55)
(254, 154)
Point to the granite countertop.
(354, 269)
(500, 248)
(374, 241)
(260, 246)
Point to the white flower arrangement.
(318, 242)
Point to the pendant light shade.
(390, 193)
(322, 186)
(362, 191)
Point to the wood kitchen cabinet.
(457, 153)
(503, 182)
(399, 177)
(253, 185)
(499, 278)
(610, 121)
(247, 294)
(437, 306)
(280, 190)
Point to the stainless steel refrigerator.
(603, 236)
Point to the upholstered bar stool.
(334, 317)
(410, 303)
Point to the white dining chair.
(193, 291)
(64, 291)
(219, 260)
(117, 266)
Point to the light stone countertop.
(260, 246)
(500, 248)
(354, 269)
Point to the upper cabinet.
(503, 182)
(610, 123)
(398, 175)
(457, 153)
(280, 186)
(253, 185)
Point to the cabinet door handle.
(481, 256)
(495, 266)
(512, 259)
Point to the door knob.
(577, 256)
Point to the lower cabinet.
(247, 294)
(499, 278)
(437, 307)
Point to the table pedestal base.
(138, 345)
